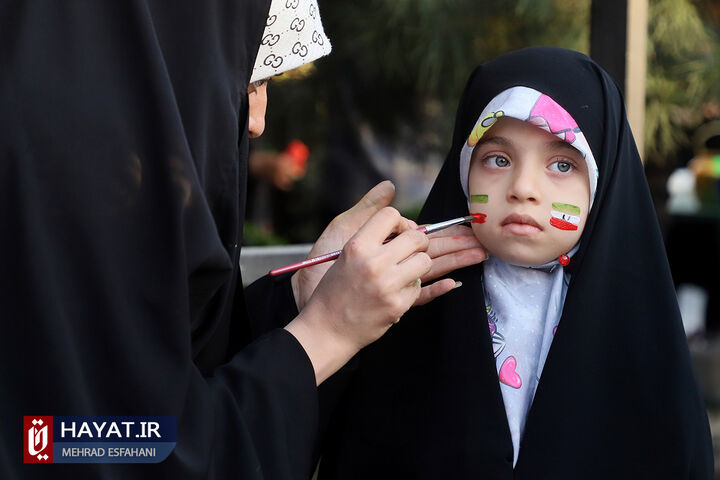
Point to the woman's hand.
(369, 287)
(336, 235)
(450, 249)
(351, 302)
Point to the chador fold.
(123, 160)
(614, 395)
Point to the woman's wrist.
(327, 348)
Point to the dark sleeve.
(270, 303)
(122, 170)
(256, 418)
(269, 399)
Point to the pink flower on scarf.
(552, 117)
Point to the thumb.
(372, 202)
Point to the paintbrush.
(427, 229)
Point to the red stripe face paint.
(562, 224)
(564, 216)
(479, 217)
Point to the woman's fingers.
(451, 240)
(454, 261)
(434, 290)
(334, 237)
(350, 221)
(452, 249)
(402, 246)
(454, 230)
(412, 268)
(378, 227)
(371, 284)
(375, 199)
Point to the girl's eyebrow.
(562, 145)
(502, 141)
(549, 147)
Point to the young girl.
(563, 356)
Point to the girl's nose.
(524, 186)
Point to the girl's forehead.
(517, 134)
(525, 142)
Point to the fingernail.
(457, 285)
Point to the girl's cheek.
(477, 230)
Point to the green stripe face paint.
(481, 199)
(566, 208)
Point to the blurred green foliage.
(390, 87)
(256, 234)
(682, 80)
(400, 65)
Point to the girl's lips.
(523, 219)
(520, 224)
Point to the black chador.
(123, 160)
(616, 399)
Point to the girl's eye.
(561, 166)
(497, 161)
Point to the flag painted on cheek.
(564, 216)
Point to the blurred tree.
(683, 76)
(403, 53)
(391, 57)
(390, 87)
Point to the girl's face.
(534, 189)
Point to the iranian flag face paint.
(538, 210)
(565, 216)
(479, 198)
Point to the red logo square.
(38, 439)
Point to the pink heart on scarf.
(508, 375)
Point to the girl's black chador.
(617, 398)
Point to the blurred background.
(382, 106)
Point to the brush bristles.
(478, 217)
